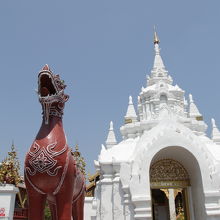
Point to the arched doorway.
(169, 181)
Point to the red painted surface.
(20, 214)
(2, 212)
(50, 169)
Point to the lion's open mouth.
(51, 94)
(46, 86)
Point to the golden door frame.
(169, 173)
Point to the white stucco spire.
(139, 99)
(158, 62)
(158, 72)
(111, 140)
(131, 115)
(215, 132)
(185, 101)
(193, 110)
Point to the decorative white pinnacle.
(185, 101)
(215, 133)
(158, 71)
(193, 110)
(130, 100)
(111, 140)
(190, 98)
(131, 115)
(111, 126)
(158, 62)
(139, 100)
(213, 123)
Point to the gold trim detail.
(199, 118)
(93, 177)
(168, 173)
(166, 192)
(127, 121)
(90, 189)
(169, 184)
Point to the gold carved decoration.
(93, 179)
(176, 191)
(168, 173)
(127, 121)
(199, 118)
(166, 192)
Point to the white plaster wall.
(195, 159)
(7, 200)
(106, 209)
(89, 211)
(98, 200)
(118, 211)
(168, 139)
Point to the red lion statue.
(51, 173)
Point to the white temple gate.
(166, 165)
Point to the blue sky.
(103, 50)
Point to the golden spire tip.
(156, 38)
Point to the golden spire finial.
(156, 38)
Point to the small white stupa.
(111, 140)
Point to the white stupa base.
(7, 201)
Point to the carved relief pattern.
(102, 213)
(117, 213)
(42, 159)
(166, 192)
(168, 170)
(127, 211)
(115, 189)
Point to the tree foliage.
(47, 212)
(9, 168)
(80, 161)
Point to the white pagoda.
(165, 167)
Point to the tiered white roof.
(159, 101)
